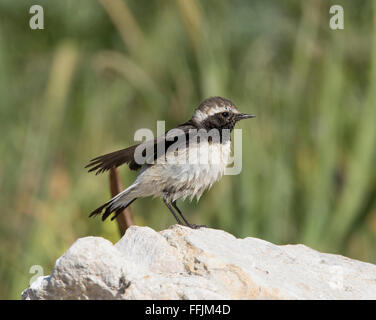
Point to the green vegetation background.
(102, 69)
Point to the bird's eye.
(225, 114)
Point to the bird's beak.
(242, 116)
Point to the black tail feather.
(118, 211)
(99, 210)
(110, 207)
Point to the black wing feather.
(115, 159)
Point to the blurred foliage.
(100, 70)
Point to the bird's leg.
(172, 211)
(193, 226)
(178, 210)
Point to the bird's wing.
(115, 159)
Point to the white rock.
(181, 263)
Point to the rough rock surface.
(181, 263)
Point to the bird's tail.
(117, 204)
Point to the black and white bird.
(183, 162)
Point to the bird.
(183, 162)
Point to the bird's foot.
(196, 226)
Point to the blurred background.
(100, 70)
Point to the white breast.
(205, 164)
(187, 172)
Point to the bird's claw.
(196, 226)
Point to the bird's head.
(218, 113)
